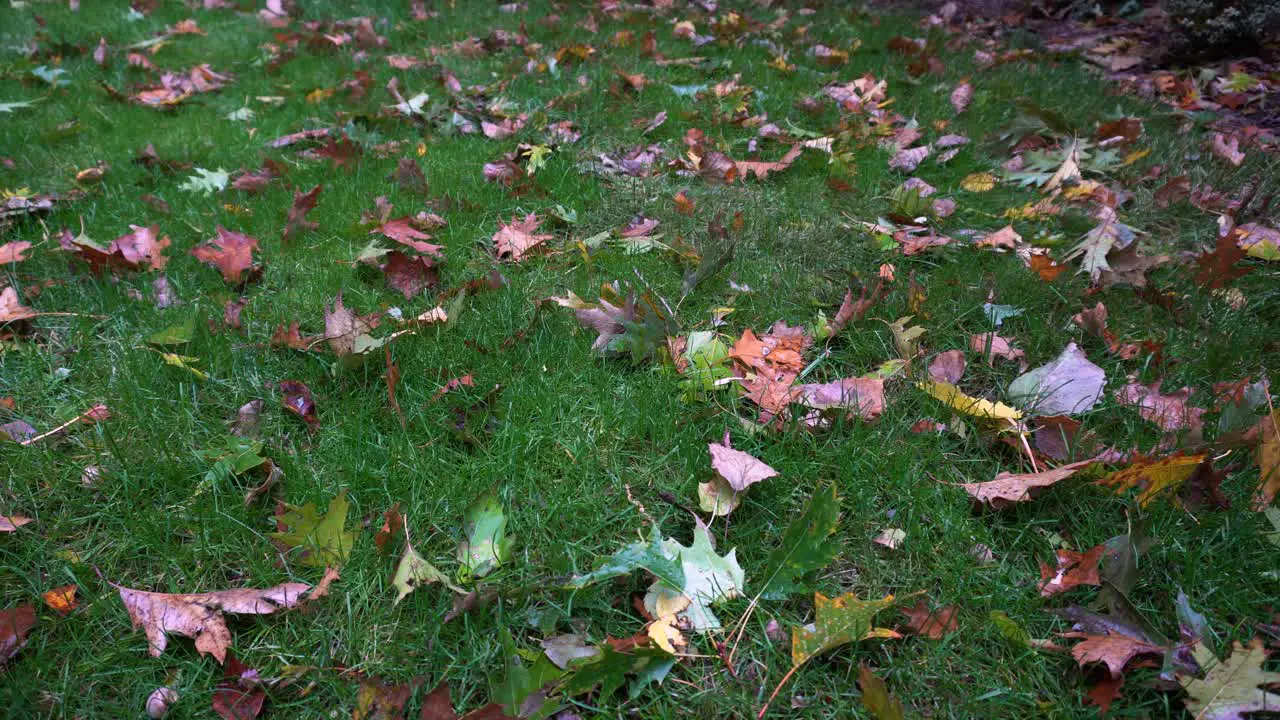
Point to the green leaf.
(805, 546)
(521, 689)
(1010, 629)
(708, 579)
(708, 358)
(876, 698)
(648, 555)
(414, 571)
(611, 670)
(240, 455)
(324, 541)
(485, 544)
(837, 621)
(176, 334)
(52, 76)
(206, 181)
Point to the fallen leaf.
(805, 546)
(199, 616)
(13, 252)
(707, 578)
(908, 159)
(1231, 689)
(1074, 569)
(324, 540)
(1011, 488)
(977, 407)
(978, 182)
(934, 624)
(1114, 650)
(1228, 150)
(961, 96)
(890, 537)
(378, 700)
(993, 346)
(61, 599)
(1267, 456)
(296, 223)
(838, 621)
(515, 239)
(1069, 385)
(862, 396)
(413, 571)
(876, 698)
(485, 544)
(947, 367)
(15, 625)
(1168, 411)
(240, 695)
(1220, 266)
(230, 252)
(1006, 238)
(296, 398)
(1155, 476)
(1104, 692)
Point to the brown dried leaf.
(1074, 569)
(1010, 488)
(199, 616)
(303, 203)
(230, 252)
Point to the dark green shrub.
(1222, 26)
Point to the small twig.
(638, 505)
(91, 413)
(776, 690)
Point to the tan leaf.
(1010, 488)
(1268, 458)
(199, 616)
(1228, 150)
(1168, 411)
(12, 309)
(934, 624)
(514, 240)
(13, 252)
(738, 468)
(12, 522)
(1114, 651)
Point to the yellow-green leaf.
(324, 541)
(1154, 476)
(977, 407)
(838, 621)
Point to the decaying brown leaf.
(230, 252)
(1010, 488)
(1073, 569)
(199, 616)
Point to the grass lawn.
(580, 448)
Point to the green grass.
(572, 430)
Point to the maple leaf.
(402, 231)
(947, 367)
(1156, 476)
(1074, 569)
(1228, 150)
(610, 671)
(144, 245)
(992, 346)
(977, 407)
(15, 625)
(1219, 266)
(1115, 650)
(230, 252)
(708, 579)
(863, 396)
(908, 159)
(1168, 411)
(199, 616)
(410, 274)
(257, 180)
(641, 554)
(933, 624)
(838, 621)
(413, 571)
(805, 546)
(1011, 488)
(761, 170)
(323, 539)
(514, 240)
(485, 544)
(1231, 689)
(297, 222)
(1069, 385)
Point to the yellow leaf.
(977, 407)
(1135, 156)
(1154, 476)
(665, 635)
(320, 94)
(184, 362)
(978, 182)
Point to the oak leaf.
(838, 621)
(199, 616)
(1232, 689)
(296, 223)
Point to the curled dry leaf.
(961, 97)
(1073, 569)
(199, 616)
(1010, 488)
(61, 599)
(296, 398)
